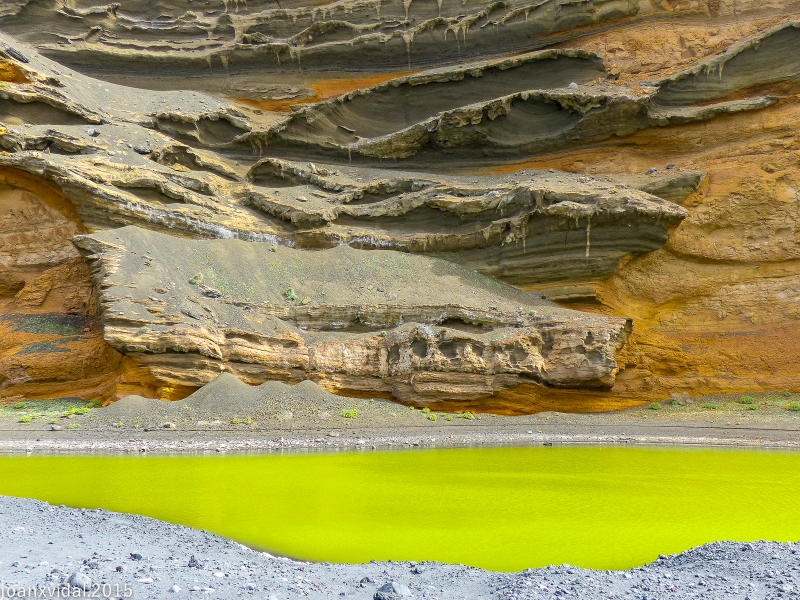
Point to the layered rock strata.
(527, 228)
(635, 159)
(288, 51)
(715, 310)
(124, 165)
(378, 321)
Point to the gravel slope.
(42, 546)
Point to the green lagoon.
(497, 508)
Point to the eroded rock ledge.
(525, 228)
(264, 50)
(165, 161)
(419, 328)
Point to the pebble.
(175, 588)
(80, 580)
(395, 588)
(145, 580)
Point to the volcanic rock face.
(637, 159)
(266, 50)
(373, 321)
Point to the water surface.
(497, 508)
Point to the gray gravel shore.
(43, 547)
(524, 432)
(278, 417)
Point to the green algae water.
(497, 508)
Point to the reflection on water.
(497, 508)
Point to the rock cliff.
(632, 160)
(371, 321)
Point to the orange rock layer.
(718, 308)
(51, 339)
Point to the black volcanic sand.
(44, 547)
